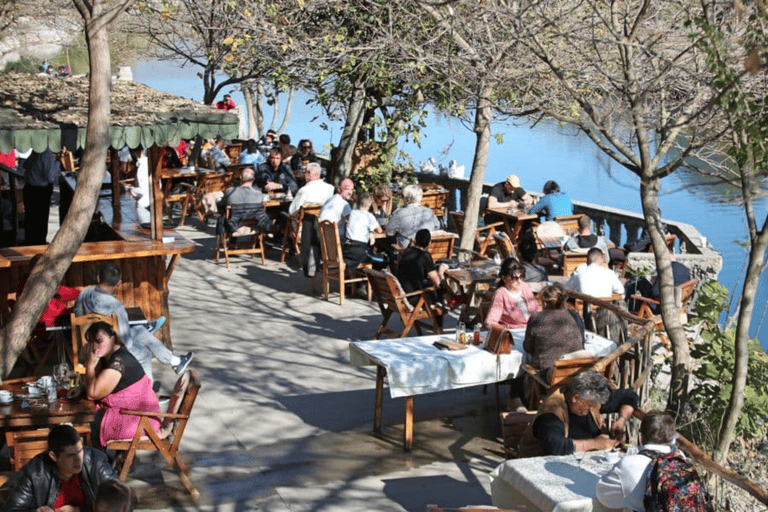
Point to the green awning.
(41, 112)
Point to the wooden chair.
(208, 183)
(80, 325)
(683, 294)
(168, 438)
(484, 235)
(435, 198)
(392, 299)
(333, 266)
(504, 246)
(572, 260)
(67, 160)
(570, 223)
(561, 374)
(513, 427)
(549, 237)
(292, 233)
(441, 245)
(25, 444)
(233, 152)
(250, 231)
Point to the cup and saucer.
(6, 397)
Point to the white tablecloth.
(551, 483)
(415, 366)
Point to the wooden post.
(380, 373)
(155, 160)
(408, 430)
(117, 189)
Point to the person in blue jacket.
(554, 203)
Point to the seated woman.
(382, 204)
(570, 420)
(554, 331)
(116, 380)
(513, 301)
(554, 203)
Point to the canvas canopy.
(41, 112)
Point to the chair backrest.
(387, 290)
(181, 402)
(504, 245)
(441, 246)
(457, 218)
(309, 209)
(330, 244)
(80, 325)
(233, 152)
(434, 198)
(213, 182)
(572, 260)
(686, 290)
(25, 444)
(569, 223)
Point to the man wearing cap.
(507, 194)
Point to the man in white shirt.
(337, 209)
(316, 191)
(624, 485)
(594, 279)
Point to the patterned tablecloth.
(415, 366)
(551, 483)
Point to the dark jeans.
(37, 207)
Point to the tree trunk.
(741, 344)
(355, 112)
(49, 272)
(288, 108)
(250, 105)
(681, 356)
(209, 85)
(482, 129)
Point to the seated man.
(507, 194)
(412, 217)
(337, 209)
(417, 271)
(247, 203)
(137, 339)
(275, 176)
(595, 279)
(220, 159)
(584, 239)
(64, 478)
(649, 287)
(624, 485)
(571, 420)
(316, 191)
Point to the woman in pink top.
(513, 302)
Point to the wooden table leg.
(408, 427)
(380, 373)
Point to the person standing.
(41, 172)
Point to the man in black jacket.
(63, 478)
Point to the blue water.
(536, 155)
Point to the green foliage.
(715, 355)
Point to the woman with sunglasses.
(513, 302)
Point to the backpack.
(674, 485)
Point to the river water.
(536, 155)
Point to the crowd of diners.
(372, 230)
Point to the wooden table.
(41, 413)
(414, 366)
(515, 221)
(468, 279)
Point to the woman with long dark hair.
(513, 302)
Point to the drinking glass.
(579, 456)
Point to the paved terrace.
(284, 423)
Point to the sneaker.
(185, 360)
(156, 325)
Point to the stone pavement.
(283, 422)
